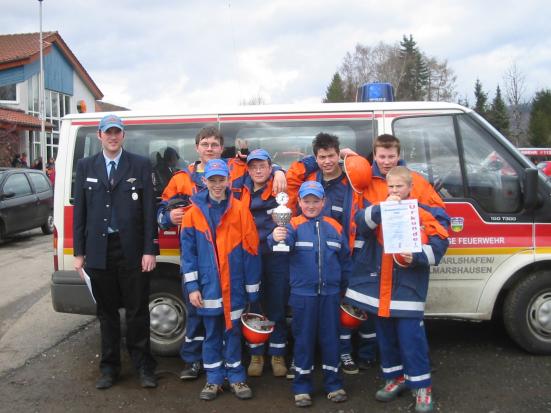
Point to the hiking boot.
(279, 369)
(303, 400)
(256, 366)
(241, 390)
(291, 372)
(338, 396)
(392, 389)
(347, 364)
(366, 364)
(191, 371)
(423, 400)
(210, 391)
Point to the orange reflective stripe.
(179, 184)
(385, 288)
(334, 223)
(295, 178)
(431, 225)
(296, 221)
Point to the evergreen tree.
(335, 90)
(481, 99)
(498, 115)
(540, 119)
(415, 74)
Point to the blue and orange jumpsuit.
(183, 185)
(341, 204)
(319, 267)
(221, 261)
(397, 295)
(274, 291)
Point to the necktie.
(113, 221)
(112, 173)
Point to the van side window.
(168, 147)
(485, 172)
(492, 179)
(291, 141)
(429, 147)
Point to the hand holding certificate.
(401, 229)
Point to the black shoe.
(106, 381)
(147, 379)
(192, 371)
(347, 364)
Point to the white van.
(499, 259)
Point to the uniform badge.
(134, 196)
(131, 180)
(457, 224)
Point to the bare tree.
(514, 84)
(258, 99)
(384, 63)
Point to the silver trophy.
(281, 216)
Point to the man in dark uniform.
(115, 243)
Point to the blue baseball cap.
(260, 154)
(110, 121)
(216, 167)
(311, 188)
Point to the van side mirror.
(530, 188)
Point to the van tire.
(168, 316)
(527, 313)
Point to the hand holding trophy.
(281, 216)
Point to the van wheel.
(48, 227)
(527, 313)
(168, 316)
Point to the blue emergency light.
(375, 92)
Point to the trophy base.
(281, 248)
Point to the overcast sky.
(171, 54)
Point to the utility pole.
(43, 153)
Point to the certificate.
(401, 229)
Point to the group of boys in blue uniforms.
(227, 258)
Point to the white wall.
(81, 92)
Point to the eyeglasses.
(206, 145)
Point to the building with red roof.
(68, 88)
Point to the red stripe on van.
(298, 117)
(148, 121)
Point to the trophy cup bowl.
(281, 216)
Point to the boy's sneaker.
(338, 396)
(191, 371)
(423, 400)
(256, 366)
(392, 389)
(366, 364)
(279, 369)
(210, 391)
(241, 390)
(291, 372)
(303, 400)
(347, 364)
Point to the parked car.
(26, 201)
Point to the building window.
(8, 93)
(56, 106)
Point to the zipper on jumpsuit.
(319, 256)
